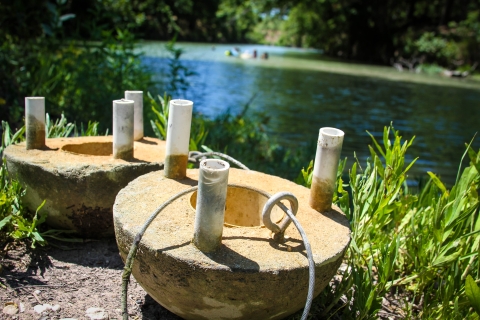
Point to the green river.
(302, 91)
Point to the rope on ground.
(273, 200)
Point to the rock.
(56, 307)
(42, 308)
(22, 307)
(37, 291)
(10, 308)
(39, 308)
(96, 314)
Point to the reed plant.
(412, 254)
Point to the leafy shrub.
(15, 222)
(417, 249)
(77, 78)
(438, 48)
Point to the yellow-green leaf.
(437, 182)
(473, 293)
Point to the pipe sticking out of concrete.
(329, 147)
(211, 199)
(123, 111)
(178, 138)
(137, 97)
(35, 122)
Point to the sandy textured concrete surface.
(251, 276)
(79, 179)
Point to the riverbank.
(311, 59)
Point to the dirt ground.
(88, 275)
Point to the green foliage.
(442, 32)
(16, 223)
(160, 19)
(245, 138)
(429, 68)
(198, 131)
(437, 48)
(473, 293)
(305, 176)
(73, 86)
(9, 137)
(160, 109)
(416, 248)
(61, 128)
(238, 17)
(77, 78)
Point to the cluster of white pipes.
(213, 173)
(127, 123)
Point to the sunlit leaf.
(472, 292)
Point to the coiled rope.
(278, 230)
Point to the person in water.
(245, 55)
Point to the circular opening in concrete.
(244, 208)
(90, 148)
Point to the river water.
(302, 91)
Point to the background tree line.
(446, 32)
(62, 48)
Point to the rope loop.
(270, 204)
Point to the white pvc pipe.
(178, 138)
(329, 147)
(211, 199)
(123, 129)
(137, 97)
(35, 122)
